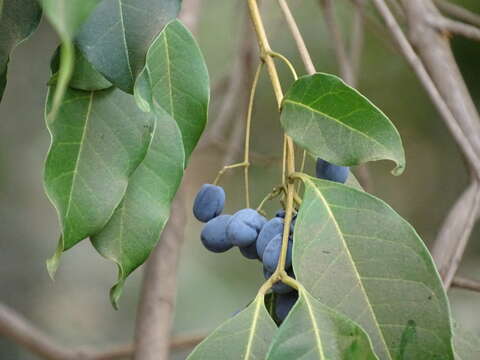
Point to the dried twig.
(458, 12)
(455, 27)
(455, 105)
(16, 328)
(464, 283)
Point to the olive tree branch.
(458, 12)
(455, 27)
(467, 284)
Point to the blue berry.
(214, 234)
(327, 171)
(209, 202)
(280, 213)
(244, 226)
(284, 303)
(250, 252)
(271, 255)
(272, 228)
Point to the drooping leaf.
(18, 19)
(98, 140)
(313, 331)
(176, 79)
(117, 35)
(68, 15)
(135, 227)
(84, 76)
(356, 255)
(246, 336)
(467, 345)
(335, 122)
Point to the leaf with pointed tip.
(246, 336)
(136, 225)
(67, 16)
(98, 140)
(335, 122)
(84, 76)
(176, 79)
(467, 345)
(313, 331)
(117, 35)
(356, 255)
(18, 19)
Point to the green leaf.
(176, 79)
(335, 122)
(356, 255)
(84, 76)
(98, 140)
(136, 225)
(18, 19)
(314, 331)
(67, 15)
(246, 336)
(117, 35)
(467, 345)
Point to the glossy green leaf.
(98, 140)
(68, 15)
(176, 79)
(356, 255)
(313, 331)
(335, 122)
(246, 336)
(117, 35)
(135, 227)
(467, 345)
(18, 19)
(84, 76)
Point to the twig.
(455, 27)
(337, 42)
(357, 38)
(464, 283)
(159, 286)
(297, 36)
(458, 12)
(16, 328)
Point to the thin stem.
(225, 168)
(297, 36)
(287, 62)
(273, 194)
(284, 159)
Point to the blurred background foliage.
(75, 308)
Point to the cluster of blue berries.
(254, 235)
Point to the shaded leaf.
(246, 336)
(335, 122)
(467, 345)
(117, 35)
(314, 331)
(176, 79)
(84, 76)
(135, 227)
(66, 16)
(356, 255)
(98, 140)
(18, 19)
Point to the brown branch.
(19, 330)
(464, 283)
(297, 36)
(448, 92)
(458, 12)
(455, 27)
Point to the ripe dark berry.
(214, 234)
(250, 252)
(271, 255)
(244, 226)
(284, 303)
(209, 202)
(271, 229)
(327, 171)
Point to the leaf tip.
(399, 169)
(116, 292)
(53, 263)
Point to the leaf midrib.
(252, 329)
(337, 226)
(316, 330)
